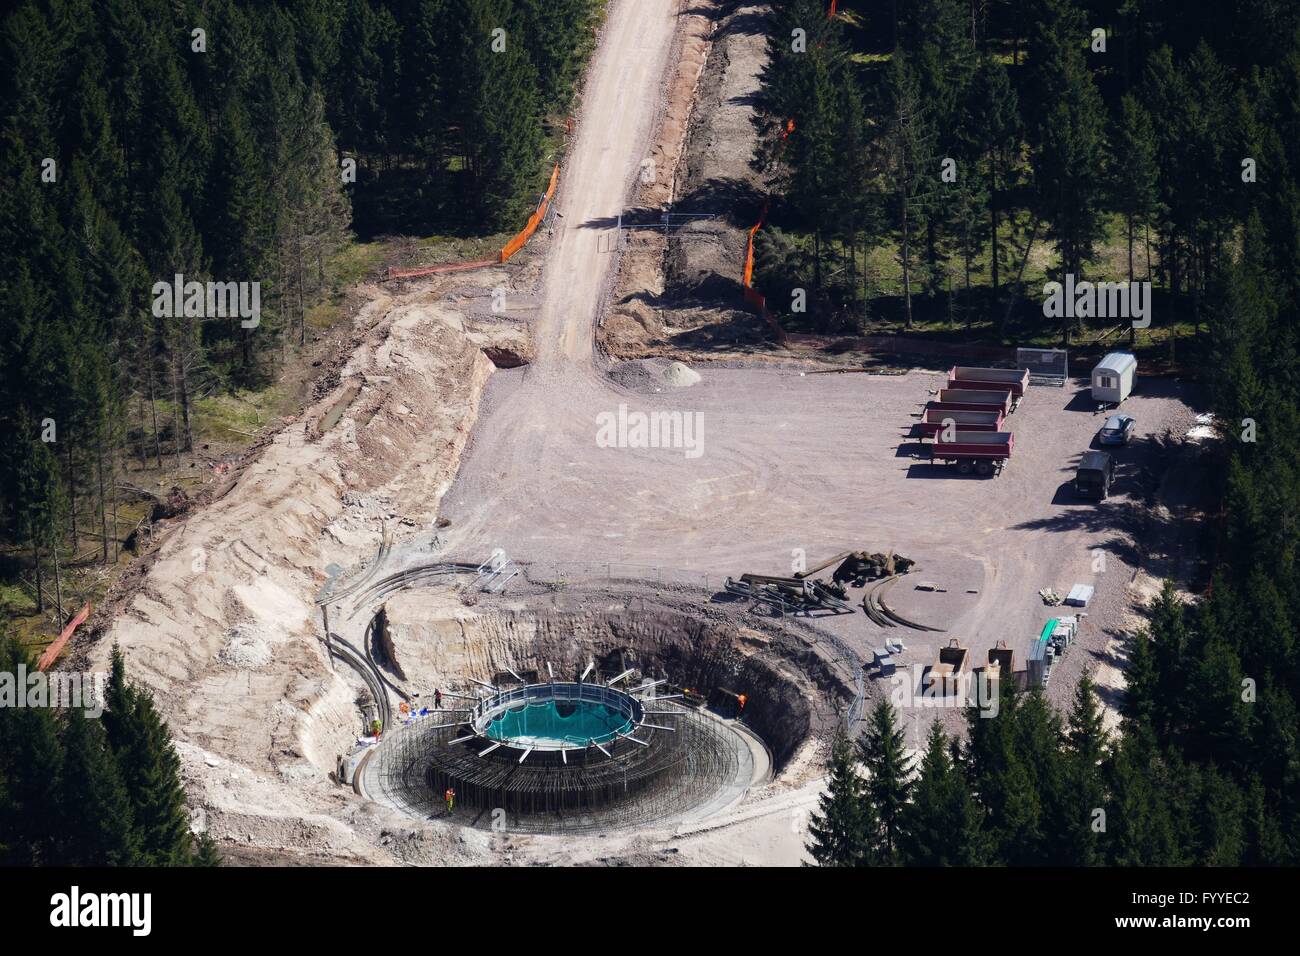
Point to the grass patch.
(237, 416)
(350, 265)
(440, 249)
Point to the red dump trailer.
(1016, 379)
(934, 418)
(973, 400)
(983, 453)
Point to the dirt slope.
(223, 628)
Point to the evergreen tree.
(993, 125)
(367, 55)
(1139, 705)
(889, 771)
(1134, 175)
(838, 831)
(148, 765)
(911, 166)
(42, 505)
(206, 853)
(811, 155)
(1139, 825)
(97, 827)
(1068, 170)
(496, 110)
(1085, 790)
(1220, 819)
(942, 824)
(31, 772)
(555, 50)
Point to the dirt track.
(788, 462)
(222, 627)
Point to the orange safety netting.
(750, 294)
(535, 220)
(52, 652)
(511, 247)
(748, 280)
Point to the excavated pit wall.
(223, 630)
(791, 691)
(715, 175)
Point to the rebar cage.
(683, 758)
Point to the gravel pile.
(246, 649)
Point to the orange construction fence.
(752, 296)
(535, 220)
(510, 248)
(52, 652)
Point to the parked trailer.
(967, 421)
(974, 400)
(1113, 378)
(961, 376)
(981, 452)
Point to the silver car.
(1118, 430)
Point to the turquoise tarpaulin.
(543, 723)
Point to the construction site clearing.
(443, 527)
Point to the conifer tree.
(42, 505)
(811, 154)
(1085, 792)
(206, 852)
(838, 831)
(889, 769)
(1068, 169)
(148, 765)
(911, 166)
(942, 823)
(1134, 175)
(548, 29)
(1139, 824)
(31, 773)
(97, 825)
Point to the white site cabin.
(1112, 379)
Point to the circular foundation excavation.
(557, 718)
(589, 721)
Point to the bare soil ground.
(223, 627)
(796, 465)
(682, 292)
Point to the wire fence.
(559, 574)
